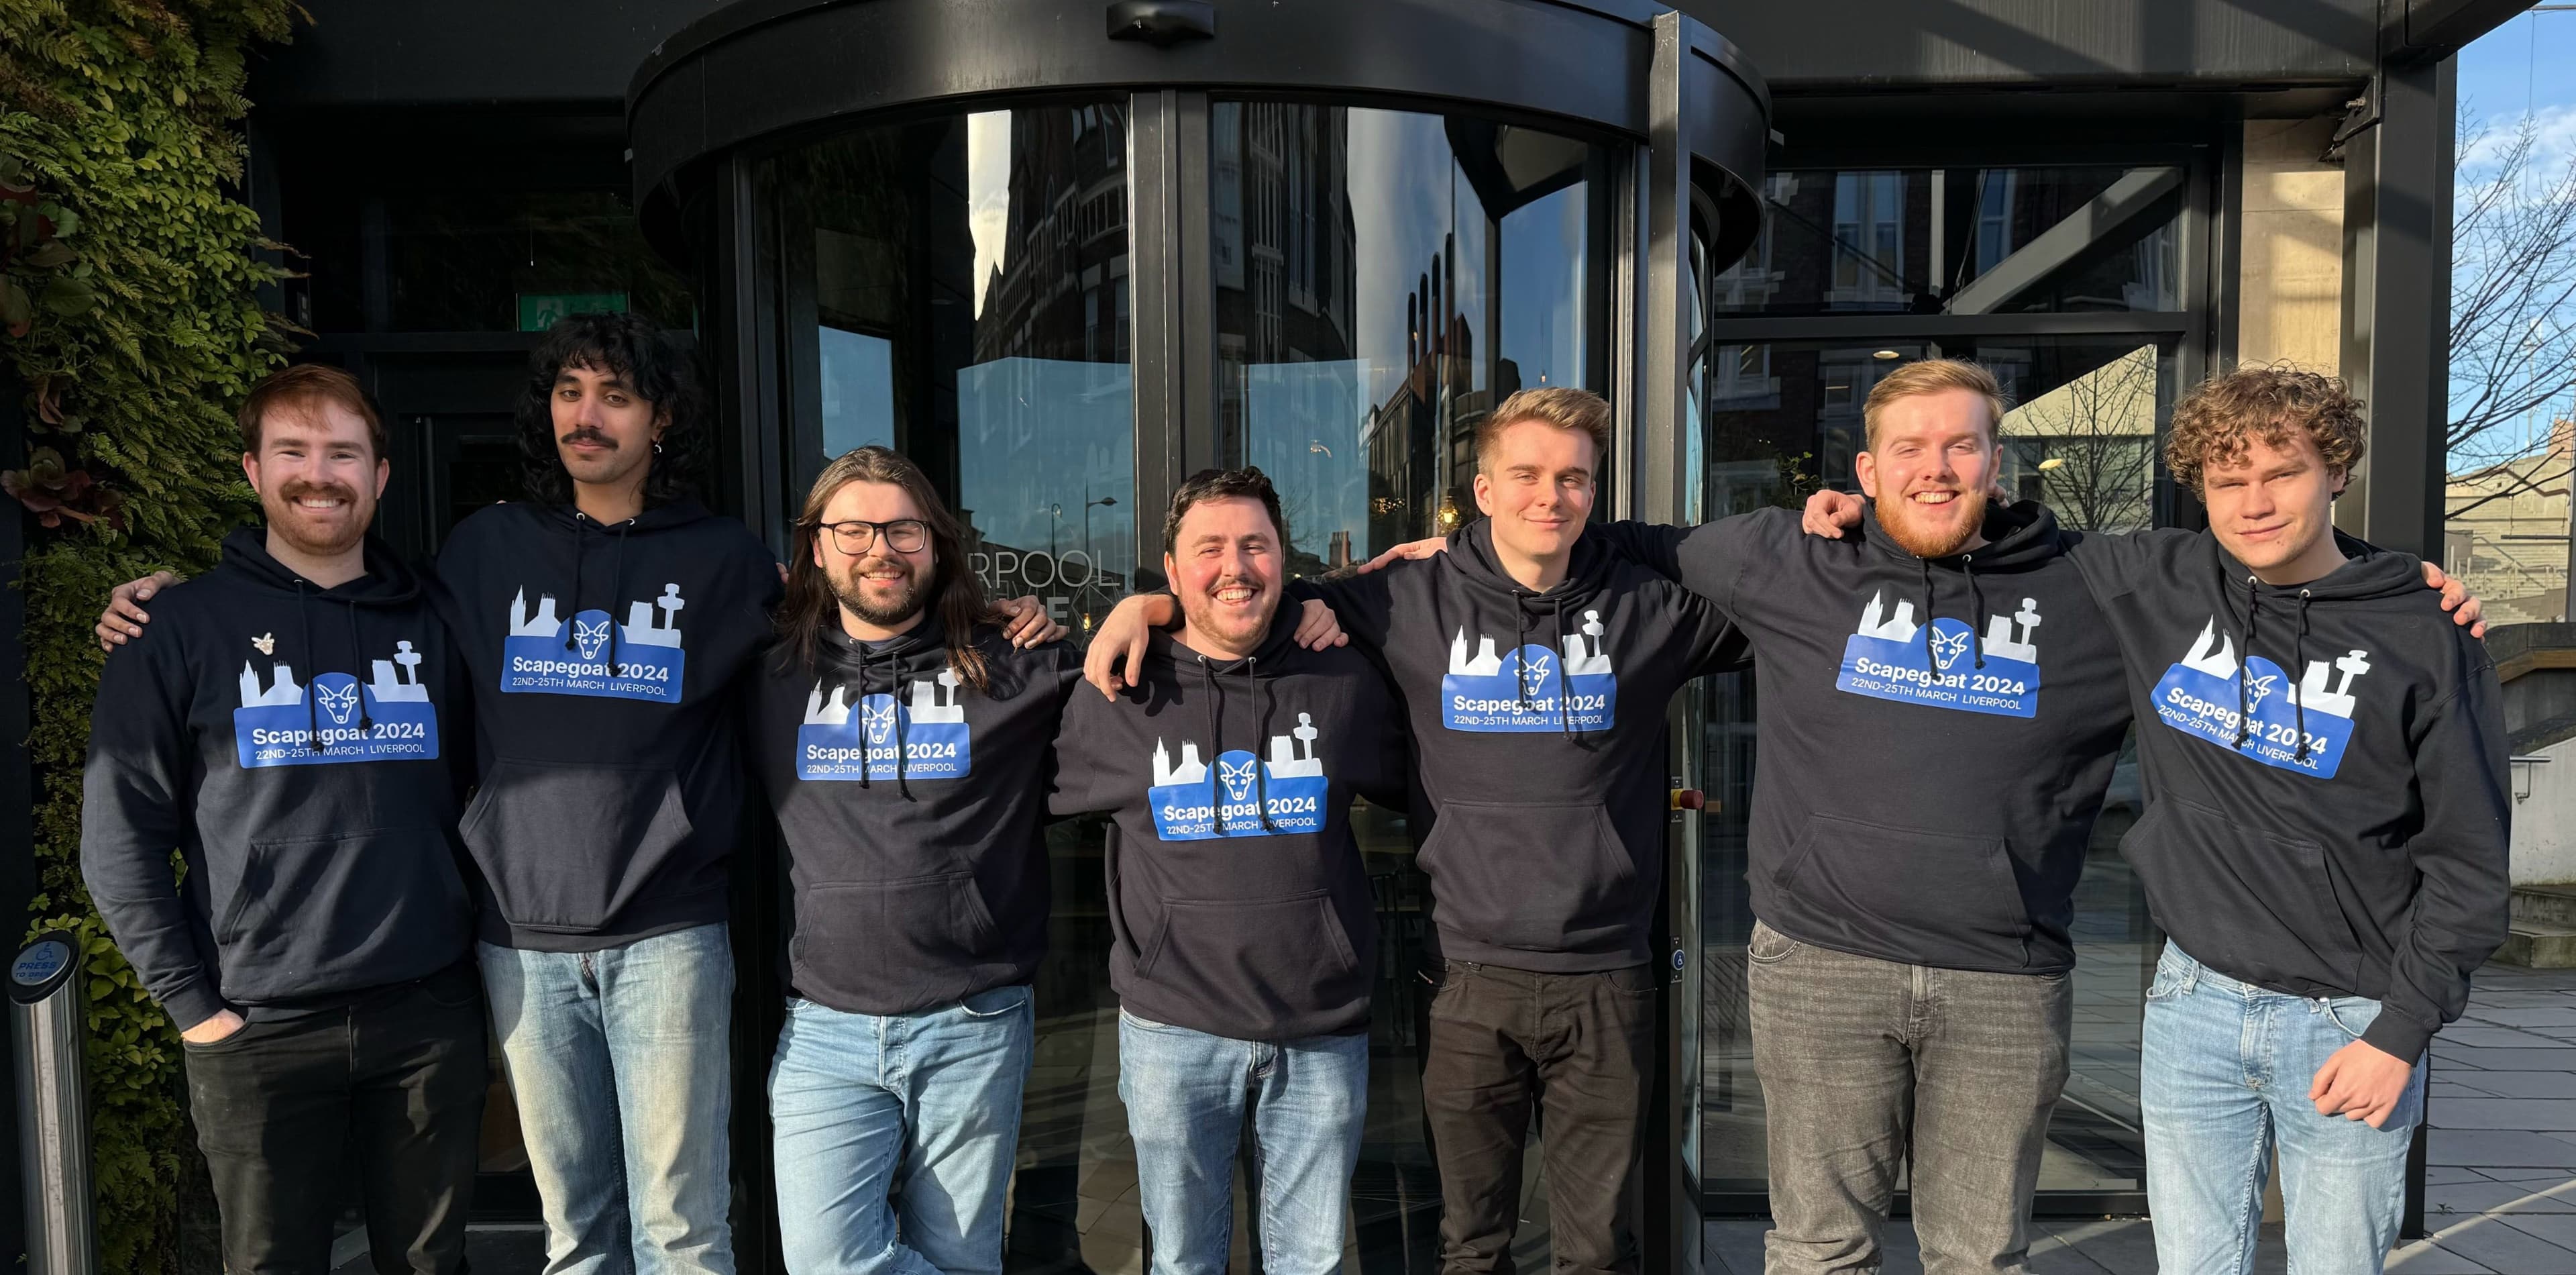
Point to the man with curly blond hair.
(2324, 840)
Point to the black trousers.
(393, 1084)
(1578, 1048)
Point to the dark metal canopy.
(758, 70)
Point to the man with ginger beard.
(290, 737)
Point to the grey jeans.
(1868, 1065)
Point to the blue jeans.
(923, 1108)
(619, 1059)
(1186, 1092)
(2224, 1074)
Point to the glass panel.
(1382, 279)
(1962, 241)
(958, 288)
(2084, 439)
(480, 261)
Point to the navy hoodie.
(912, 806)
(2325, 774)
(298, 746)
(1238, 904)
(606, 665)
(1937, 734)
(1539, 728)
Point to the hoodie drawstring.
(1564, 678)
(1976, 607)
(572, 608)
(1216, 759)
(312, 712)
(2245, 661)
(1260, 741)
(1520, 643)
(358, 660)
(616, 573)
(2299, 669)
(1931, 663)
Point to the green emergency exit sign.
(539, 311)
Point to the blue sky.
(2528, 63)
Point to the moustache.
(588, 435)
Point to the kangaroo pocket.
(1533, 878)
(2244, 902)
(341, 912)
(1906, 892)
(1255, 961)
(891, 946)
(566, 846)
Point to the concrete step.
(2548, 904)
(2539, 945)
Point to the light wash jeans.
(2224, 1075)
(895, 1134)
(621, 1063)
(1186, 1092)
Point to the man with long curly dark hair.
(607, 618)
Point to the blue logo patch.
(546, 656)
(389, 718)
(929, 736)
(1193, 803)
(2198, 696)
(1531, 688)
(1887, 659)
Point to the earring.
(657, 448)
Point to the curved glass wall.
(957, 288)
(1381, 280)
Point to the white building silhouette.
(1875, 622)
(2212, 654)
(539, 622)
(1296, 759)
(1585, 656)
(388, 686)
(940, 705)
(1999, 641)
(2312, 693)
(645, 625)
(834, 713)
(1190, 771)
(283, 690)
(1487, 662)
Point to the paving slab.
(2501, 1247)
(2493, 1038)
(2557, 1228)
(2543, 1115)
(2424, 1257)
(2481, 1148)
(2515, 1084)
(2553, 1012)
(2511, 1059)
(2461, 1199)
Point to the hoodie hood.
(389, 580)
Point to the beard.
(1933, 535)
(1238, 627)
(880, 610)
(298, 528)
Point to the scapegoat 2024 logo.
(589, 654)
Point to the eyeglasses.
(903, 535)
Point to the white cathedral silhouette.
(2215, 655)
(928, 704)
(1292, 756)
(2002, 640)
(644, 625)
(1585, 655)
(384, 684)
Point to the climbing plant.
(131, 319)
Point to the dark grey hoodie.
(1238, 904)
(2325, 773)
(1937, 735)
(608, 661)
(911, 805)
(301, 748)
(1539, 728)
